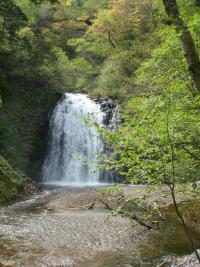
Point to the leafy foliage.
(123, 49)
(143, 143)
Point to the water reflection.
(170, 240)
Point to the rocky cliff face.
(111, 120)
(111, 109)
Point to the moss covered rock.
(191, 212)
(12, 183)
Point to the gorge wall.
(23, 126)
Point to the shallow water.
(53, 229)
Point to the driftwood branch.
(91, 205)
(161, 216)
(105, 204)
(163, 264)
(142, 223)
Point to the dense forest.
(144, 55)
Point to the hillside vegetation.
(143, 53)
(13, 184)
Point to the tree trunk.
(190, 52)
(197, 3)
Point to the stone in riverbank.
(191, 211)
(186, 261)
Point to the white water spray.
(74, 146)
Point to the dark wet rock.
(112, 113)
(111, 120)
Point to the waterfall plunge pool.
(74, 184)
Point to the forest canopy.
(143, 54)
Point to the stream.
(54, 229)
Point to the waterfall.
(74, 145)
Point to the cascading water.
(74, 146)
